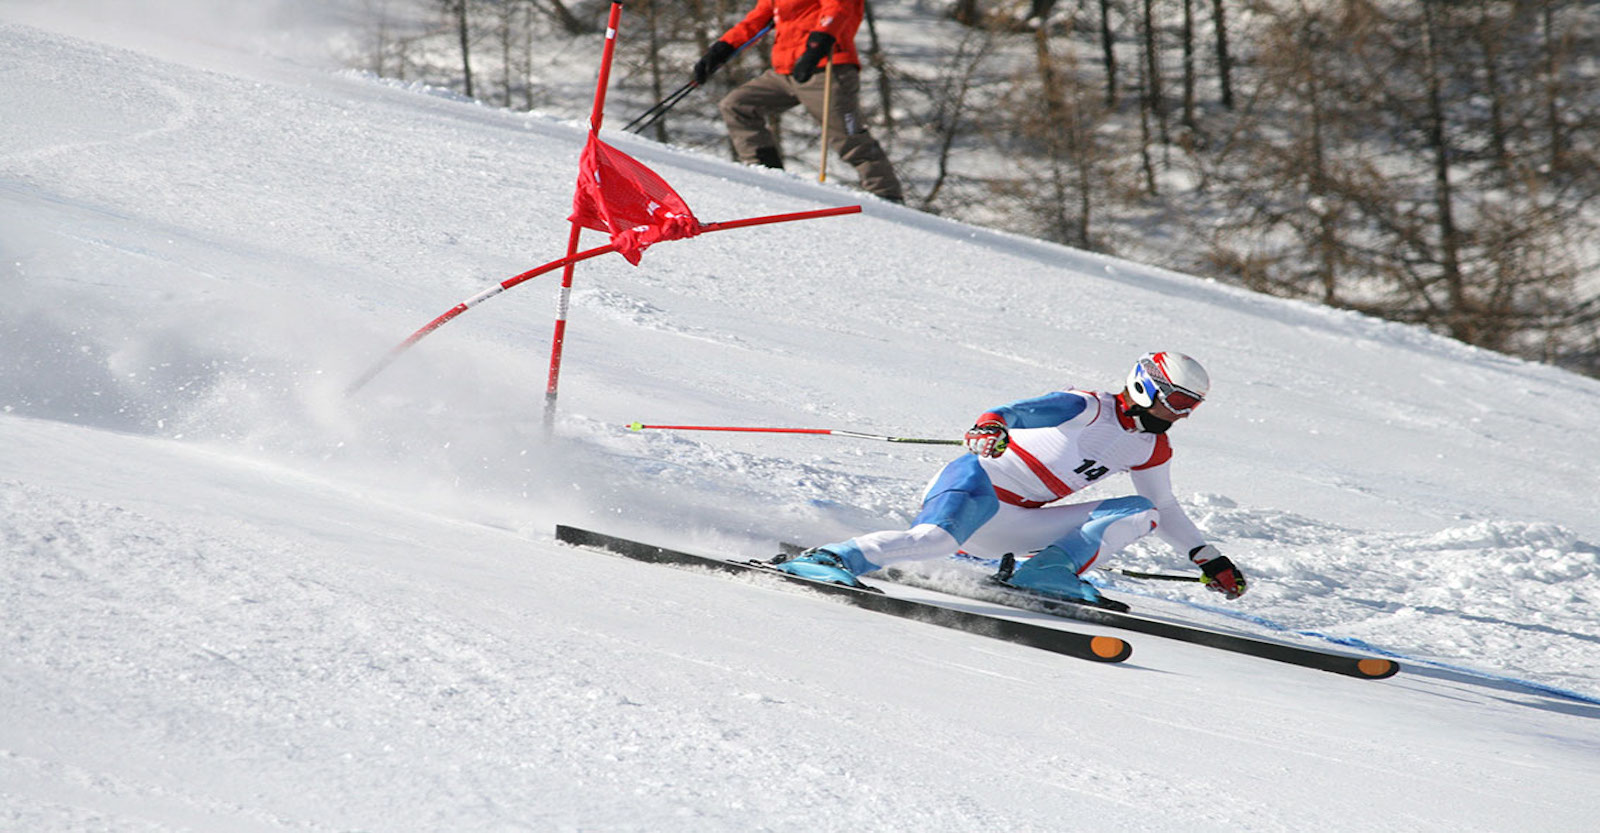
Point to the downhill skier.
(1001, 498)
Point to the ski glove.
(819, 45)
(989, 437)
(1221, 575)
(715, 57)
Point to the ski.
(1044, 637)
(1367, 668)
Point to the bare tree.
(950, 97)
(511, 28)
(1049, 134)
(1154, 96)
(1108, 52)
(1186, 38)
(1390, 145)
(1219, 20)
(1460, 318)
(877, 60)
(569, 22)
(1056, 131)
(458, 9)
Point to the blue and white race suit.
(1060, 444)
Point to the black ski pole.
(654, 114)
(661, 107)
(1158, 576)
(1008, 565)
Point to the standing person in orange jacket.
(805, 34)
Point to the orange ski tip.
(1110, 648)
(1377, 668)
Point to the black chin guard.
(1148, 423)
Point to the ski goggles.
(1179, 400)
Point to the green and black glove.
(1221, 575)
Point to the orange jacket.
(793, 20)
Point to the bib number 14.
(1091, 470)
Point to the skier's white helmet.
(1172, 379)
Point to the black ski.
(1367, 668)
(1070, 643)
(1000, 592)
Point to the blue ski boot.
(816, 565)
(1053, 575)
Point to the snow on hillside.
(235, 598)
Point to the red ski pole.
(834, 432)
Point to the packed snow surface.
(233, 597)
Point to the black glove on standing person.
(715, 57)
(819, 45)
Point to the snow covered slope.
(235, 599)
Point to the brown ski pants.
(746, 110)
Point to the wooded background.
(1424, 161)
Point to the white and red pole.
(832, 432)
(568, 261)
(564, 302)
(475, 300)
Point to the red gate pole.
(563, 304)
